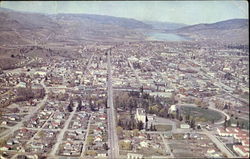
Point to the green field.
(201, 114)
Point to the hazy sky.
(188, 12)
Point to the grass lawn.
(163, 127)
(201, 114)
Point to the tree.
(141, 89)
(120, 123)
(79, 106)
(151, 127)
(154, 128)
(242, 125)
(192, 125)
(238, 124)
(70, 106)
(70, 109)
(187, 117)
(225, 123)
(177, 115)
(105, 146)
(140, 125)
(148, 137)
(212, 121)
(180, 118)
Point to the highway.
(112, 135)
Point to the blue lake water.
(166, 37)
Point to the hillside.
(26, 28)
(230, 31)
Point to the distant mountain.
(22, 20)
(23, 27)
(232, 31)
(105, 20)
(164, 25)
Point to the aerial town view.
(124, 79)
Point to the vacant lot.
(163, 127)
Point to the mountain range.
(22, 28)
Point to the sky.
(187, 12)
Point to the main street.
(112, 135)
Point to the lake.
(166, 37)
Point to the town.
(170, 100)
(124, 79)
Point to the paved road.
(167, 146)
(26, 118)
(112, 135)
(219, 144)
(86, 137)
(60, 136)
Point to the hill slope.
(230, 31)
(25, 27)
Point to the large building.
(140, 115)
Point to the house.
(4, 148)
(245, 142)
(144, 144)
(4, 122)
(98, 138)
(184, 126)
(134, 156)
(10, 142)
(102, 117)
(222, 132)
(102, 154)
(210, 151)
(21, 84)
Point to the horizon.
(209, 11)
